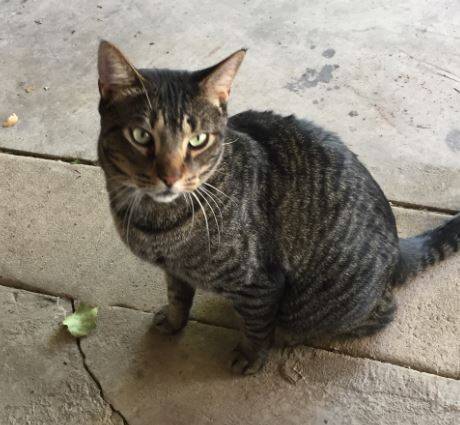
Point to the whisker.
(218, 190)
(116, 196)
(231, 142)
(117, 190)
(220, 172)
(187, 200)
(134, 205)
(213, 197)
(205, 219)
(141, 80)
(128, 209)
(193, 214)
(213, 213)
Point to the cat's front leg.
(172, 317)
(257, 304)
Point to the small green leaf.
(82, 322)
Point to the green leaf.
(82, 322)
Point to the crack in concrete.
(78, 161)
(191, 318)
(26, 288)
(95, 380)
(392, 362)
(417, 207)
(22, 286)
(49, 157)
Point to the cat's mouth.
(167, 195)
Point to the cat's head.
(162, 131)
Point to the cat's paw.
(246, 365)
(163, 324)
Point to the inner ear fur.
(216, 81)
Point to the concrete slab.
(385, 77)
(185, 379)
(58, 237)
(425, 334)
(42, 378)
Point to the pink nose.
(169, 180)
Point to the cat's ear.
(216, 82)
(115, 71)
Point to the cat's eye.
(199, 140)
(141, 136)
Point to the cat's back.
(299, 150)
(288, 140)
(335, 231)
(314, 179)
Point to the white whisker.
(213, 197)
(213, 213)
(193, 214)
(189, 201)
(215, 188)
(115, 194)
(129, 199)
(231, 142)
(205, 219)
(136, 199)
(146, 93)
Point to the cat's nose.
(170, 179)
(169, 167)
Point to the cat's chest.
(193, 262)
(204, 257)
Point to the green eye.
(199, 140)
(141, 136)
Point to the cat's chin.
(165, 198)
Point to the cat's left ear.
(216, 82)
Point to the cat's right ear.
(216, 81)
(116, 74)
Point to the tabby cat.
(273, 213)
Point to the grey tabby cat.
(273, 213)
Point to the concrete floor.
(384, 75)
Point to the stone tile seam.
(79, 161)
(93, 376)
(26, 288)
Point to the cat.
(272, 212)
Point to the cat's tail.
(431, 247)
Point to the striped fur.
(290, 226)
(431, 247)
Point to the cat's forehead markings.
(186, 127)
(158, 128)
(159, 124)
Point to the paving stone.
(42, 378)
(78, 252)
(59, 238)
(156, 379)
(426, 332)
(383, 77)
